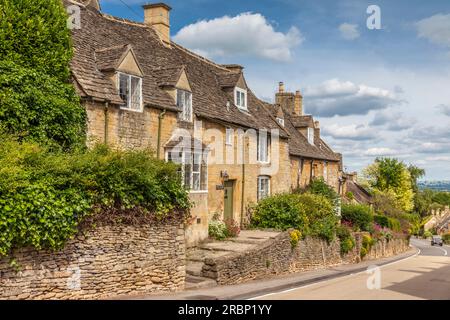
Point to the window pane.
(179, 94)
(188, 106)
(124, 88)
(135, 93)
(197, 162)
(196, 181)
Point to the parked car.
(436, 240)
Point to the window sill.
(132, 110)
(199, 192)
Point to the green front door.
(228, 201)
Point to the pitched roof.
(228, 79)
(302, 121)
(360, 194)
(298, 143)
(168, 76)
(205, 77)
(110, 58)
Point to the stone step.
(194, 268)
(194, 282)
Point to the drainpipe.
(311, 171)
(106, 122)
(243, 183)
(160, 118)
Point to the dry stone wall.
(277, 256)
(108, 261)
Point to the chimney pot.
(157, 15)
(281, 87)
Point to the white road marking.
(328, 280)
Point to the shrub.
(233, 228)
(363, 252)
(281, 212)
(387, 222)
(217, 229)
(427, 234)
(45, 196)
(347, 240)
(295, 237)
(318, 186)
(310, 214)
(359, 215)
(350, 196)
(446, 238)
(367, 243)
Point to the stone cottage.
(142, 90)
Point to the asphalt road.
(423, 276)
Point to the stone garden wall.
(108, 261)
(277, 256)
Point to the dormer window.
(311, 136)
(240, 98)
(280, 121)
(130, 90)
(184, 101)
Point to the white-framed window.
(311, 136)
(263, 146)
(229, 135)
(194, 168)
(325, 171)
(240, 98)
(280, 121)
(184, 101)
(130, 90)
(263, 187)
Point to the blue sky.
(376, 92)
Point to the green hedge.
(360, 216)
(309, 213)
(39, 108)
(45, 195)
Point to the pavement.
(342, 278)
(425, 275)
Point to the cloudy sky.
(376, 92)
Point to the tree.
(416, 173)
(37, 101)
(391, 176)
(34, 34)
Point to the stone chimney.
(298, 103)
(157, 15)
(285, 99)
(316, 130)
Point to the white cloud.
(343, 98)
(245, 34)
(438, 158)
(436, 29)
(349, 31)
(444, 108)
(380, 152)
(394, 121)
(349, 132)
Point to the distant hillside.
(435, 185)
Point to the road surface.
(423, 276)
